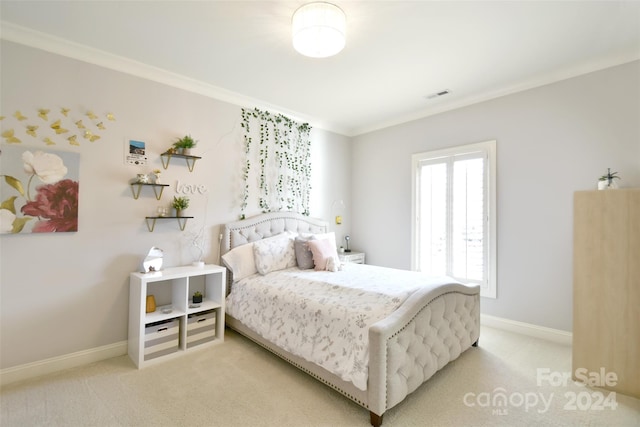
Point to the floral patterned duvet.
(322, 316)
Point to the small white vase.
(607, 185)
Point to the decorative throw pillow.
(274, 254)
(240, 261)
(304, 257)
(323, 250)
(334, 264)
(331, 236)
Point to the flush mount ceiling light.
(319, 29)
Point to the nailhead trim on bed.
(267, 228)
(308, 372)
(427, 345)
(251, 229)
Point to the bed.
(415, 331)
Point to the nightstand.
(177, 325)
(354, 257)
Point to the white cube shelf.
(177, 325)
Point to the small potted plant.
(179, 204)
(607, 181)
(185, 144)
(197, 297)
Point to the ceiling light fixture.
(319, 29)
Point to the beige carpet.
(240, 384)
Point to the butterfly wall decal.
(89, 131)
(9, 137)
(90, 136)
(18, 115)
(42, 113)
(58, 127)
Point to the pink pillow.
(322, 251)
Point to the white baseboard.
(54, 364)
(549, 334)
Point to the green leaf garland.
(284, 161)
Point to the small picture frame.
(135, 152)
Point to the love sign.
(182, 188)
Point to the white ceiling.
(397, 52)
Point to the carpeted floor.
(509, 380)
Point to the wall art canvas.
(39, 190)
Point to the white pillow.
(240, 261)
(274, 254)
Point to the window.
(454, 214)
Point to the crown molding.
(67, 48)
(537, 81)
(63, 47)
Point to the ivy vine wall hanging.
(278, 154)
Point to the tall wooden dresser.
(606, 285)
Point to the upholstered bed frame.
(430, 329)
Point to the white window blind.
(454, 214)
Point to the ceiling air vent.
(438, 94)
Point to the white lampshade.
(319, 29)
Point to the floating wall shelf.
(151, 221)
(191, 160)
(139, 185)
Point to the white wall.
(551, 141)
(67, 292)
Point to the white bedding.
(322, 316)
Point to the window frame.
(488, 148)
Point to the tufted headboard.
(258, 227)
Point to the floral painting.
(38, 191)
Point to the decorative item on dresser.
(608, 181)
(153, 260)
(151, 304)
(606, 287)
(432, 320)
(197, 297)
